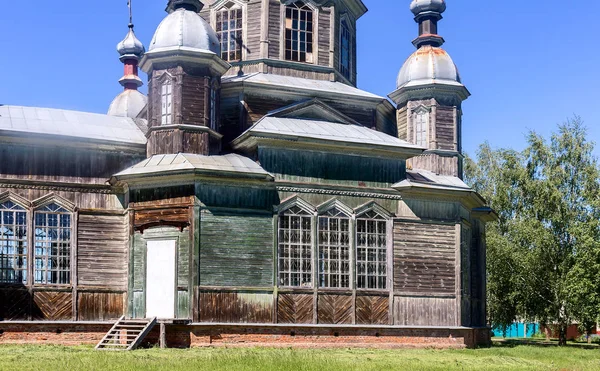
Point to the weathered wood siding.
(63, 164)
(274, 28)
(295, 308)
(100, 306)
(235, 307)
(53, 306)
(236, 250)
(437, 164)
(424, 258)
(15, 304)
(372, 310)
(323, 32)
(322, 167)
(253, 29)
(418, 311)
(234, 196)
(403, 125)
(335, 309)
(445, 128)
(466, 236)
(103, 240)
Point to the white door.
(160, 279)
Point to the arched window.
(229, 27)
(371, 249)
(13, 243)
(345, 49)
(422, 127)
(295, 247)
(52, 253)
(299, 32)
(166, 102)
(334, 248)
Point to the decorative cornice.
(338, 193)
(60, 188)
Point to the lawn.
(499, 357)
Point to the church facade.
(255, 195)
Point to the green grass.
(499, 357)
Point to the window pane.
(13, 243)
(53, 246)
(334, 251)
(229, 31)
(295, 249)
(298, 35)
(371, 252)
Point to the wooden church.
(255, 196)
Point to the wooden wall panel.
(335, 309)
(274, 28)
(103, 241)
(372, 310)
(163, 215)
(253, 30)
(324, 36)
(14, 304)
(295, 308)
(445, 128)
(424, 258)
(195, 93)
(53, 306)
(235, 307)
(249, 240)
(411, 311)
(100, 306)
(403, 125)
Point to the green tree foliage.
(543, 252)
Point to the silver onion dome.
(427, 65)
(131, 47)
(185, 28)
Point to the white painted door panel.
(160, 279)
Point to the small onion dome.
(422, 6)
(428, 65)
(131, 47)
(128, 104)
(184, 28)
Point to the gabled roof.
(313, 128)
(296, 84)
(18, 120)
(185, 163)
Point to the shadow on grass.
(542, 343)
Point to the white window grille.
(13, 243)
(166, 98)
(334, 249)
(371, 251)
(421, 129)
(295, 248)
(52, 254)
(229, 27)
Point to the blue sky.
(528, 64)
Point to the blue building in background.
(517, 330)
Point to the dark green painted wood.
(139, 259)
(183, 304)
(332, 168)
(236, 250)
(236, 196)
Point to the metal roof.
(295, 83)
(49, 121)
(185, 162)
(428, 179)
(326, 131)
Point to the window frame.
(349, 215)
(315, 31)
(345, 19)
(31, 209)
(310, 212)
(226, 5)
(24, 208)
(37, 210)
(354, 214)
(166, 119)
(419, 112)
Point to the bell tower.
(184, 69)
(429, 97)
